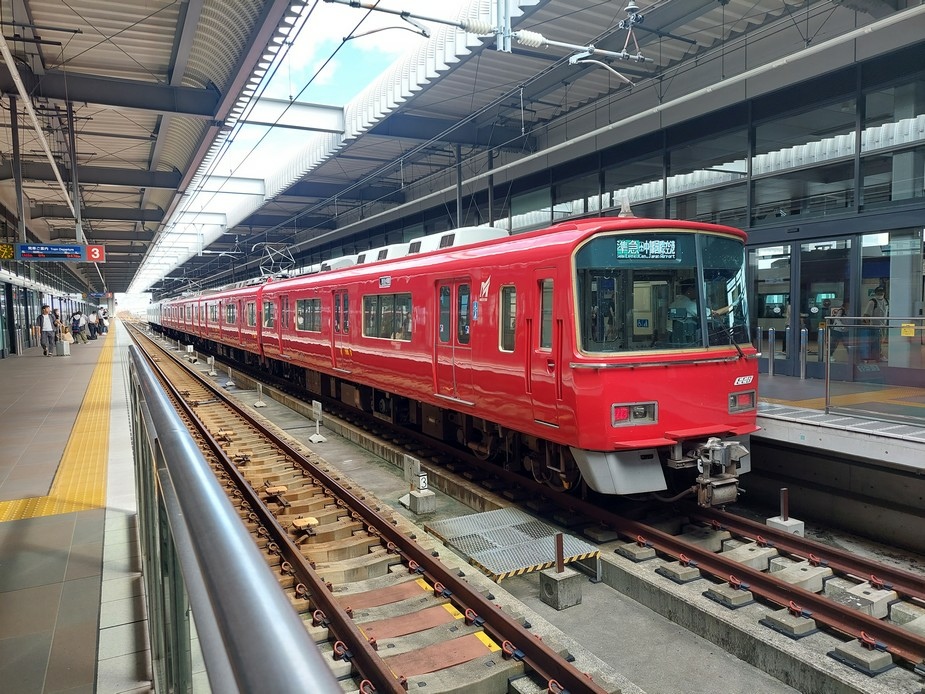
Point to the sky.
(315, 69)
(310, 74)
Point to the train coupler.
(718, 462)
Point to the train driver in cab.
(683, 314)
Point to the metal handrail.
(250, 636)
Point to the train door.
(340, 333)
(452, 350)
(544, 335)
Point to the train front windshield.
(654, 290)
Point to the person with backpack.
(78, 326)
(876, 311)
(839, 329)
(93, 324)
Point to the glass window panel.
(804, 163)
(462, 313)
(724, 205)
(576, 197)
(640, 181)
(508, 318)
(269, 314)
(646, 291)
(546, 296)
(531, 210)
(770, 271)
(825, 285)
(444, 331)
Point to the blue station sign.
(55, 252)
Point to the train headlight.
(742, 402)
(633, 413)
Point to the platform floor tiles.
(71, 596)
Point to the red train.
(614, 351)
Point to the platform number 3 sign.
(96, 254)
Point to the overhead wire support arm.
(472, 26)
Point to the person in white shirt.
(45, 324)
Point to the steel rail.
(900, 642)
(253, 653)
(903, 582)
(368, 662)
(545, 661)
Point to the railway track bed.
(391, 609)
(805, 663)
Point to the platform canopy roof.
(157, 91)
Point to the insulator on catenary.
(477, 26)
(534, 39)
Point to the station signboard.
(56, 252)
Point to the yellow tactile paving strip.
(849, 399)
(80, 483)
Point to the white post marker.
(316, 415)
(211, 362)
(260, 402)
(229, 383)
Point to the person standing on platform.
(93, 324)
(45, 325)
(78, 326)
(877, 310)
(839, 330)
(58, 323)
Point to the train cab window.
(251, 311)
(444, 329)
(269, 314)
(463, 305)
(508, 326)
(660, 290)
(231, 314)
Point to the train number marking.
(743, 380)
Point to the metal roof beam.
(422, 128)
(96, 175)
(280, 113)
(105, 235)
(292, 223)
(121, 214)
(313, 189)
(121, 93)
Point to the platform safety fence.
(874, 353)
(198, 561)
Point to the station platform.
(72, 614)
(71, 606)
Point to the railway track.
(388, 613)
(865, 608)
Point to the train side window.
(546, 314)
(308, 315)
(231, 314)
(346, 314)
(337, 313)
(269, 314)
(252, 314)
(444, 331)
(463, 305)
(508, 318)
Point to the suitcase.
(62, 348)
